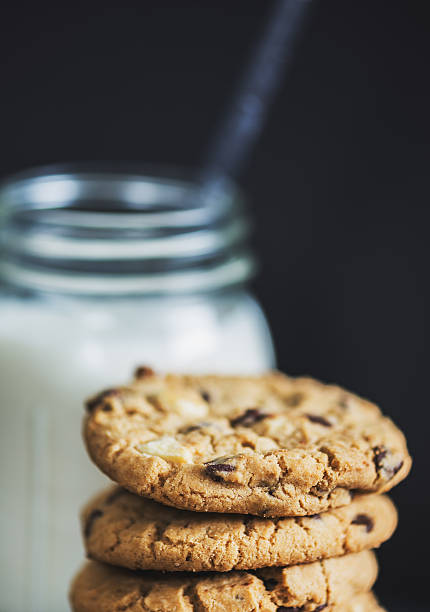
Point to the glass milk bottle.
(102, 269)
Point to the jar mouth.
(121, 228)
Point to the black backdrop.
(338, 182)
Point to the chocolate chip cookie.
(130, 531)
(270, 445)
(324, 585)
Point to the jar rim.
(154, 190)
(104, 228)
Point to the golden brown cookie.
(271, 445)
(323, 585)
(130, 531)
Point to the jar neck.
(98, 230)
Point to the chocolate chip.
(322, 607)
(206, 396)
(93, 402)
(315, 418)
(381, 458)
(94, 515)
(220, 467)
(143, 372)
(249, 417)
(270, 583)
(213, 470)
(364, 519)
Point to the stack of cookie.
(247, 494)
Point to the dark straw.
(244, 120)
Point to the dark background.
(338, 182)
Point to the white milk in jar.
(103, 269)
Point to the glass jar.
(102, 269)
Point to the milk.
(56, 351)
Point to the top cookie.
(270, 445)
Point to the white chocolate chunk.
(190, 408)
(167, 448)
(187, 404)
